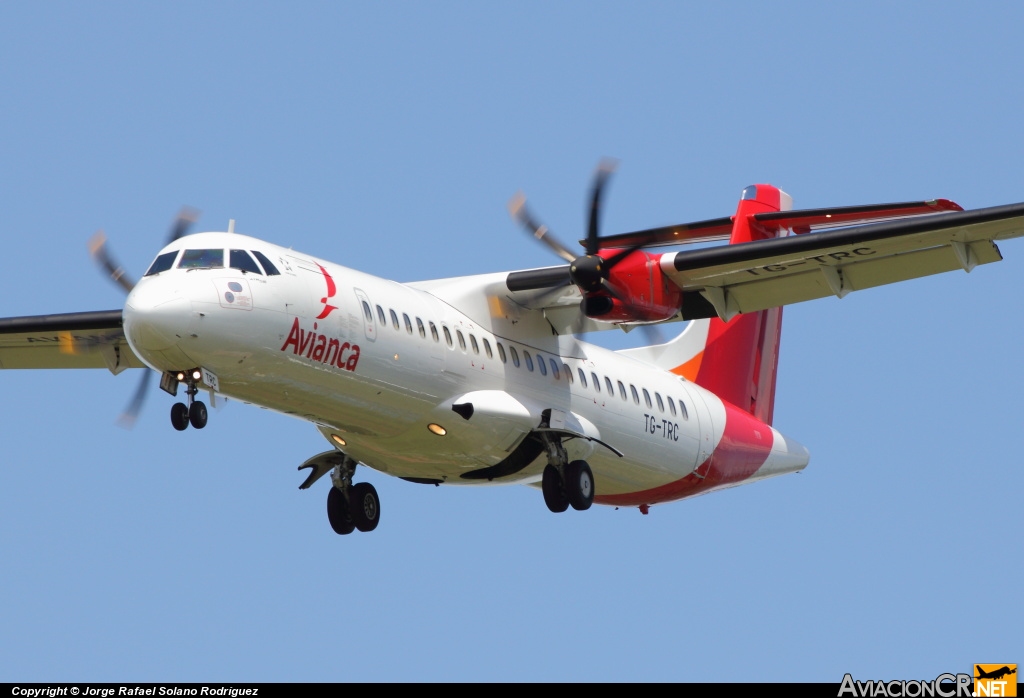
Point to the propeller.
(590, 271)
(99, 252)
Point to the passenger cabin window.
(487, 349)
(367, 313)
(661, 405)
(611, 390)
(268, 266)
(529, 360)
(447, 335)
(472, 343)
(202, 259)
(568, 372)
(162, 263)
(682, 410)
(433, 331)
(583, 377)
(501, 353)
(554, 369)
(540, 365)
(394, 318)
(622, 390)
(632, 389)
(240, 259)
(647, 398)
(462, 340)
(597, 381)
(381, 317)
(515, 356)
(408, 323)
(671, 406)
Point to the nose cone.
(156, 317)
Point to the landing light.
(197, 374)
(338, 440)
(180, 376)
(437, 429)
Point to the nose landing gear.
(195, 412)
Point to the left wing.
(69, 340)
(767, 273)
(730, 279)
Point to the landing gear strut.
(351, 507)
(565, 483)
(194, 413)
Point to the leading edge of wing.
(62, 322)
(91, 339)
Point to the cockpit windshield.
(202, 259)
(162, 263)
(240, 259)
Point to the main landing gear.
(351, 507)
(195, 413)
(565, 484)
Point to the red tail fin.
(739, 359)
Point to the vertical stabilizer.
(737, 360)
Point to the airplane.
(487, 379)
(996, 673)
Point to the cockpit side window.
(162, 263)
(202, 259)
(268, 266)
(240, 259)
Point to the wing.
(768, 273)
(69, 340)
(821, 261)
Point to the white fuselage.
(375, 362)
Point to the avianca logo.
(331, 290)
(317, 347)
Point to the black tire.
(338, 513)
(197, 414)
(579, 485)
(554, 493)
(365, 505)
(179, 416)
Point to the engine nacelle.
(647, 295)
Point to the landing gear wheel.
(197, 414)
(365, 506)
(554, 493)
(179, 416)
(338, 513)
(579, 485)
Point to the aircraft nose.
(156, 317)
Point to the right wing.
(68, 340)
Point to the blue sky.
(388, 137)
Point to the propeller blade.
(186, 217)
(98, 250)
(131, 413)
(604, 170)
(517, 209)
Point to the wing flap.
(68, 340)
(826, 281)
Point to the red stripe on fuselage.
(744, 448)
